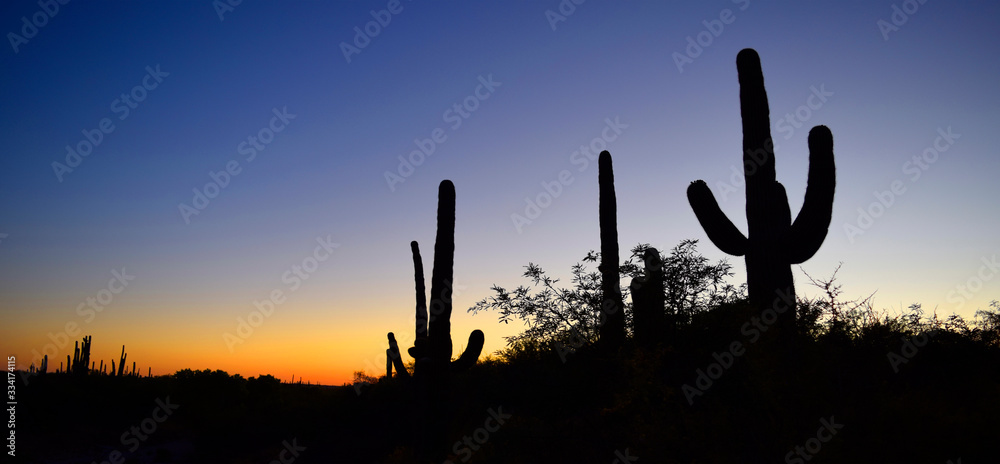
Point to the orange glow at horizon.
(308, 342)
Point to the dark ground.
(943, 404)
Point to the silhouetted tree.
(565, 316)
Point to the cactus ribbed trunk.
(612, 315)
(773, 242)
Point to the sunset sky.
(288, 116)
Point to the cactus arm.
(472, 352)
(719, 228)
(421, 292)
(758, 148)
(393, 354)
(813, 222)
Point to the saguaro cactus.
(648, 303)
(432, 347)
(432, 344)
(612, 308)
(773, 242)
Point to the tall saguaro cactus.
(432, 347)
(433, 327)
(773, 242)
(612, 308)
(121, 364)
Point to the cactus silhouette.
(81, 357)
(121, 364)
(773, 242)
(648, 302)
(394, 359)
(612, 308)
(432, 346)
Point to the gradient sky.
(323, 175)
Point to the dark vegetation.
(940, 405)
(682, 367)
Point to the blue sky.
(323, 175)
